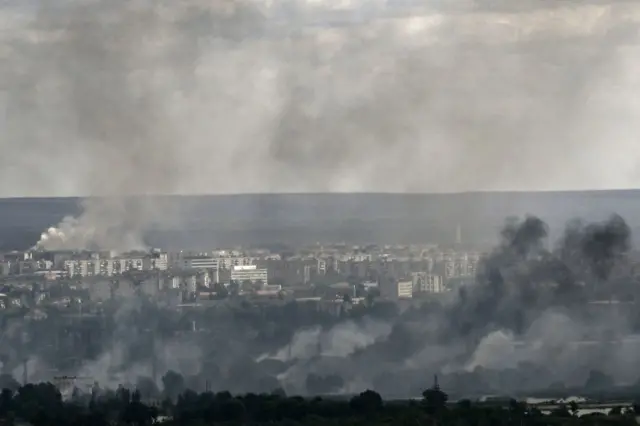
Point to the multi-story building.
(230, 262)
(322, 267)
(243, 273)
(5, 268)
(461, 265)
(175, 282)
(105, 267)
(207, 262)
(198, 263)
(424, 282)
(94, 265)
(160, 261)
(82, 267)
(137, 264)
(394, 290)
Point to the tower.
(458, 234)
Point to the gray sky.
(115, 97)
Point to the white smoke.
(339, 341)
(88, 232)
(239, 96)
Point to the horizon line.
(323, 193)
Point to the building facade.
(251, 273)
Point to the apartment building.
(394, 290)
(243, 273)
(424, 282)
(93, 266)
(205, 262)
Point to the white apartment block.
(322, 267)
(243, 273)
(175, 282)
(424, 282)
(213, 262)
(109, 267)
(160, 262)
(82, 268)
(395, 290)
(230, 262)
(405, 289)
(198, 263)
(461, 265)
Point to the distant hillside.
(217, 220)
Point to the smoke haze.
(115, 97)
(533, 318)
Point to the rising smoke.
(536, 316)
(529, 309)
(113, 98)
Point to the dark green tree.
(434, 399)
(368, 402)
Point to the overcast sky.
(114, 97)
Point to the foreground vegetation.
(42, 405)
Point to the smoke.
(601, 245)
(339, 341)
(529, 321)
(521, 278)
(99, 227)
(113, 102)
(114, 98)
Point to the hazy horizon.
(115, 97)
(339, 193)
(120, 97)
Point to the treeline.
(43, 405)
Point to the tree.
(367, 402)
(434, 399)
(6, 401)
(138, 414)
(220, 290)
(615, 411)
(561, 411)
(8, 382)
(233, 289)
(573, 407)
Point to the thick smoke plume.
(528, 322)
(539, 316)
(109, 98)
